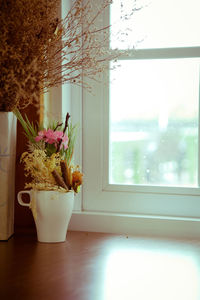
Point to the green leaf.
(30, 130)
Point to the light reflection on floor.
(140, 274)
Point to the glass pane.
(158, 24)
(154, 122)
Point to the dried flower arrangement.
(34, 43)
(49, 160)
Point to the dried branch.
(64, 130)
(38, 51)
(66, 174)
(59, 180)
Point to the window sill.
(143, 225)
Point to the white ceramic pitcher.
(52, 211)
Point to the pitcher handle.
(19, 198)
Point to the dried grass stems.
(34, 44)
(26, 28)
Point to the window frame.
(98, 187)
(93, 214)
(99, 195)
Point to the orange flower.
(77, 178)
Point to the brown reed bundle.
(34, 43)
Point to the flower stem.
(64, 130)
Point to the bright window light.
(158, 24)
(154, 122)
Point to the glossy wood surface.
(97, 266)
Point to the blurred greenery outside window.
(154, 96)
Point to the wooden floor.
(95, 266)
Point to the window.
(141, 131)
(156, 24)
(154, 132)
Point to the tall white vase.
(8, 123)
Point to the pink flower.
(50, 137)
(58, 135)
(53, 137)
(65, 142)
(40, 135)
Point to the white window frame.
(144, 210)
(99, 195)
(100, 208)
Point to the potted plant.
(39, 50)
(54, 177)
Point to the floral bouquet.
(49, 160)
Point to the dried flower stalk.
(66, 174)
(34, 44)
(59, 180)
